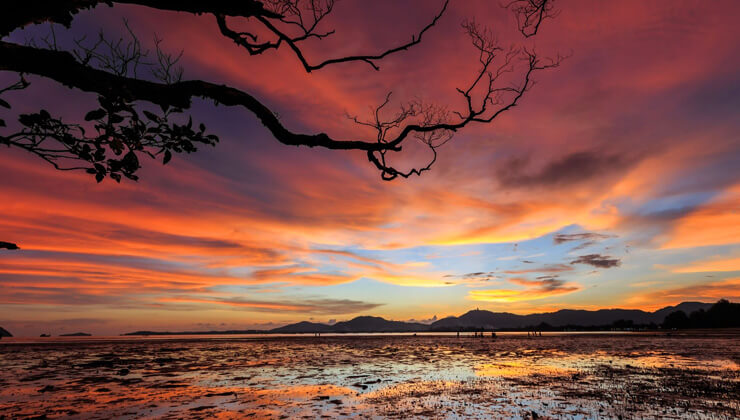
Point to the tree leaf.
(167, 157)
(130, 162)
(4, 104)
(95, 115)
(152, 116)
(26, 119)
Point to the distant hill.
(687, 307)
(302, 327)
(723, 314)
(5, 333)
(477, 319)
(561, 318)
(473, 320)
(77, 334)
(357, 325)
(377, 324)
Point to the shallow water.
(397, 376)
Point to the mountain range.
(474, 320)
(477, 319)
(357, 325)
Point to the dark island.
(5, 333)
(8, 245)
(77, 334)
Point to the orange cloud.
(716, 223)
(299, 275)
(534, 289)
(703, 292)
(710, 265)
(311, 306)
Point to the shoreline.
(689, 333)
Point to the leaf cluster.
(111, 141)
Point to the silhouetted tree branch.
(530, 14)
(306, 16)
(124, 127)
(437, 127)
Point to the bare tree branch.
(111, 69)
(292, 14)
(495, 100)
(19, 13)
(530, 14)
(69, 72)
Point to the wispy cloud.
(539, 288)
(565, 171)
(298, 305)
(718, 263)
(585, 236)
(714, 223)
(598, 260)
(549, 268)
(701, 291)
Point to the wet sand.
(571, 376)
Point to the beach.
(557, 375)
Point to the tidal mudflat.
(512, 376)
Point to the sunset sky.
(615, 183)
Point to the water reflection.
(386, 376)
(512, 369)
